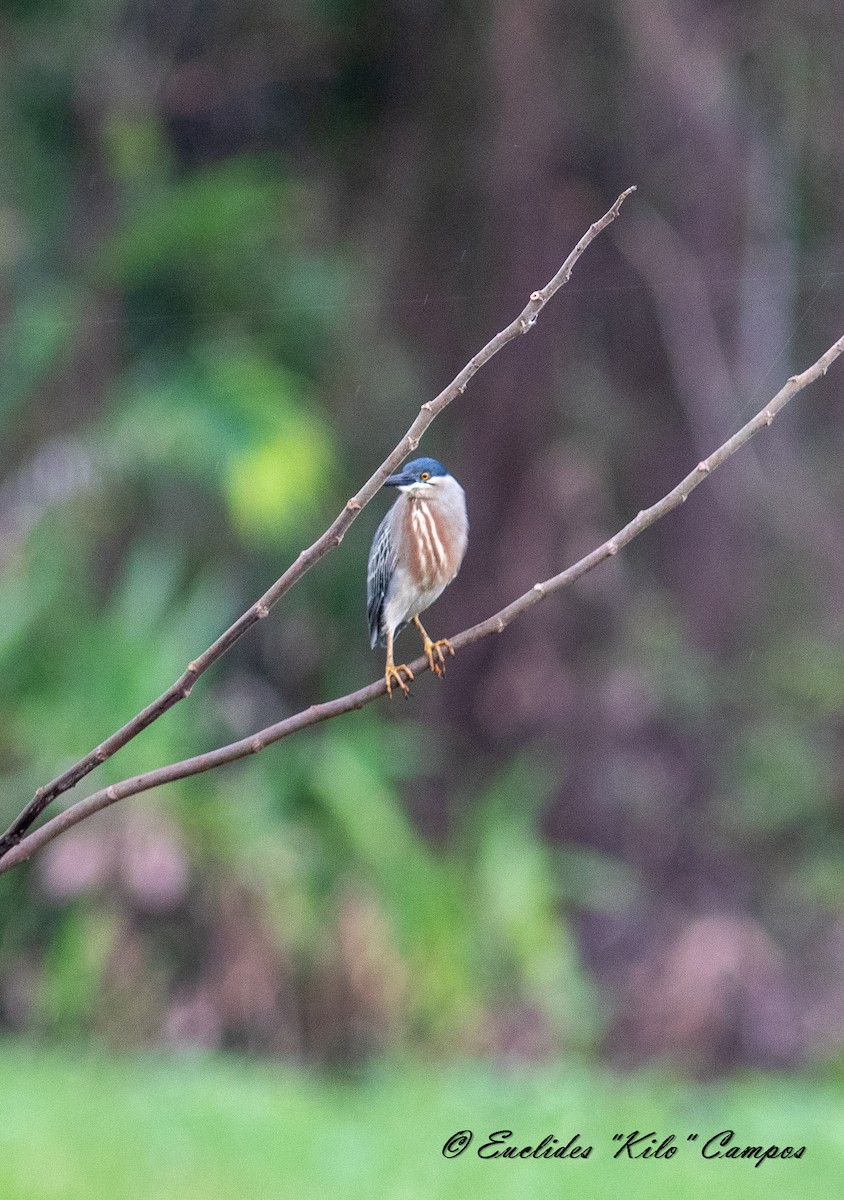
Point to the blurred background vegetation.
(239, 245)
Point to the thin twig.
(494, 624)
(328, 541)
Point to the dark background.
(240, 244)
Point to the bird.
(416, 553)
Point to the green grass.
(89, 1127)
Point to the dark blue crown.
(412, 472)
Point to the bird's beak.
(403, 479)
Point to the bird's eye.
(425, 476)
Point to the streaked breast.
(436, 541)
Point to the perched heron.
(416, 552)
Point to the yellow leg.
(394, 673)
(434, 650)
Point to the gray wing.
(378, 575)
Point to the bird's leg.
(392, 672)
(434, 650)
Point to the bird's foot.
(396, 674)
(435, 652)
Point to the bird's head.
(418, 477)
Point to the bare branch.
(494, 624)
(329, 540)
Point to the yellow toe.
(436, 652)
(401, 674)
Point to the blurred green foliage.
(210, 1128)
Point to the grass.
(77, 1126)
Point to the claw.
(395, 673)
(434, 654)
